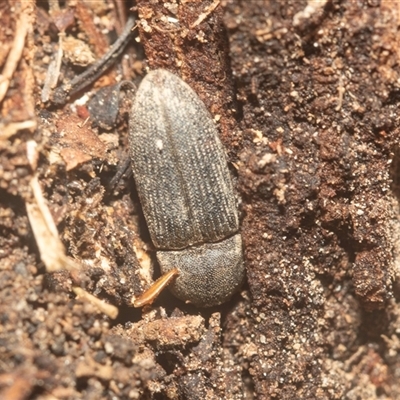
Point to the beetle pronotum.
(186, 192)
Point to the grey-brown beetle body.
(185, 189)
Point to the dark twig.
(63, 93)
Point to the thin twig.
(61, 94)
(23, 26)
(108, 309)
(205, 14)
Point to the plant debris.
(305, 96)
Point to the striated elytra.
(185, 189)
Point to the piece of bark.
(174, 38)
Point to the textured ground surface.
(306, 99)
